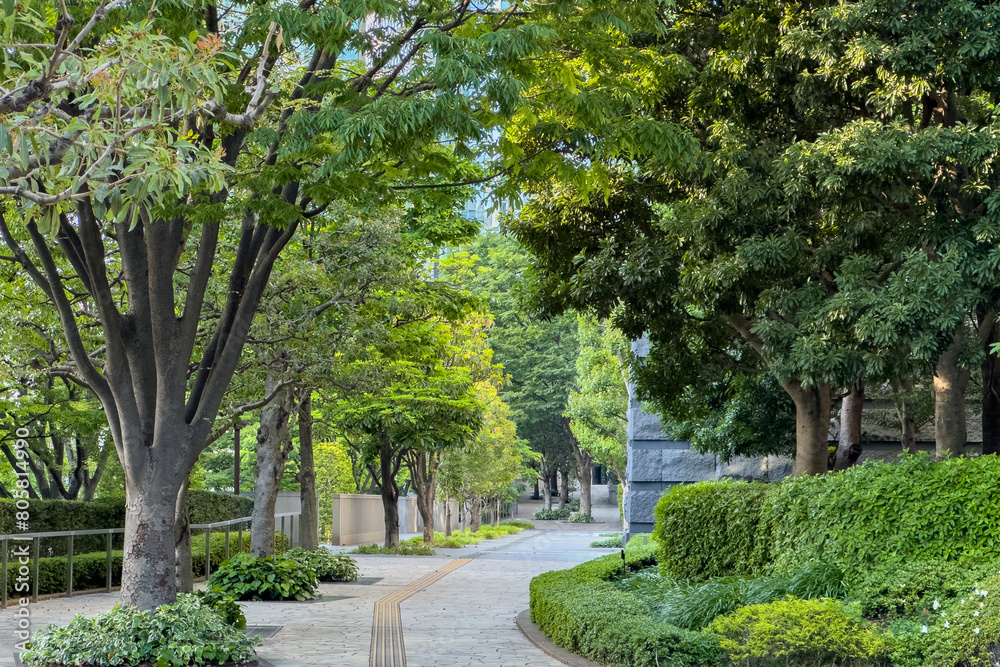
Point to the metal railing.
(35, 539)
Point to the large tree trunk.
(182, 542)
(546, 485)
(309, 521)
(447, 517)
(812, 427)
(564, 490)
(584, 470)
(149, 571)
(991, 393)
(423, 473)
(904, 411)
(273, 448)
(390, 491)
(950, 383)
(849, 446)
(475, 513)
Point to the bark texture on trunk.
(149, 570)
(309, 521)
(851, 409)
(564, 487)
(182, 542)
(950, 383)
(812, 427)
(423, 467)
(476, 513)
(991, 393)
(904, 411)
(584, 469)
(273, 447)
(390, 490)
(546, 478)
(447, 517)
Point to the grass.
(459, 539)
(613, 542)
(404, 549)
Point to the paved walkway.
(461, 617)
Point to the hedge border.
(580, 610)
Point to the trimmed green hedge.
(583, 612)
(871, 514)
(56, 515)
(90, 569)
(713, 529)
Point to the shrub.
(819, 580)
(713, 529)
(886, 513)
(579, 517)
(583, 612)
(402, 550)
(328, 566)
(248, 577)
(573, 504)
(224, 605)
(607, 543)
(908, 590)
(526, 525)
(183, 633)
(799, 632)
(963, 631)
(551, 515)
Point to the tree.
(538, 355)
(137, 133)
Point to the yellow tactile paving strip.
(387, 627)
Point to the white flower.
(942, 614)
(924, 629)
(976, 614)
(947, 624)
(976, 631)
(937, 605)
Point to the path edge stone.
(539, 639)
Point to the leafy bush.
(248, 577)
(819, 580)
(583, 612)
(183, 633)
(402, 550)
(573, 504)
(886, 513)
(579, 517)
(328, 566)
(695, 606)
(714, 529)
(607, 543)
(963, 632)
(224, 605)
(551, 515)
(909, 590)
(799, 632)
(526, 525)
(464, 538)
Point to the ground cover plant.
(580, 517)
(612, 541)
(186, 632)
(555, 514)
(401, 550)
(328, 566)
(248, 577)
(467, 537)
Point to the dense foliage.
(584, 612)
(713, 529)
(327, 565)
(808, 633)
(248, 577)
(186, 632)
(870, 514)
